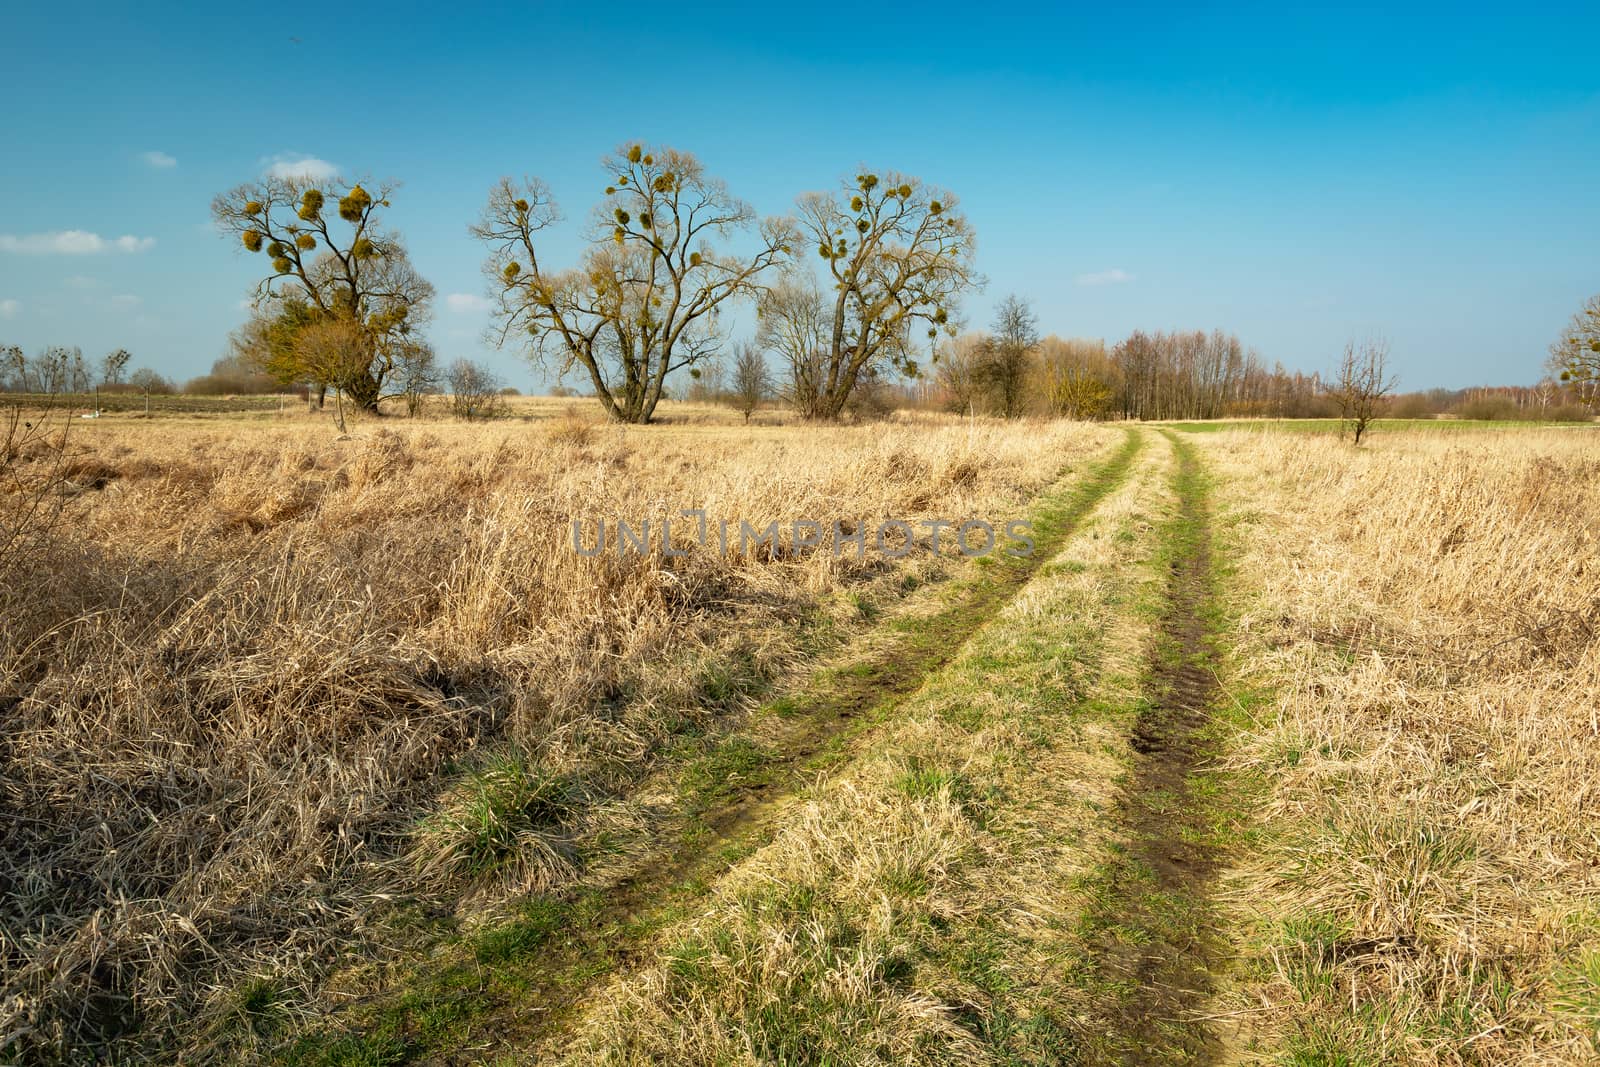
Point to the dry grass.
(264, 681)
(1426, 613)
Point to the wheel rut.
(610, 928)
(1156, 938)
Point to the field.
(1337, 426)
(328, 748)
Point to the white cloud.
(1114, 276)
(125, 302)
(158, 160)
(9, 309)
(295, 165)
(71, 243)
(81, 281)
(466, 303)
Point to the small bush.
(1490, 409)
(571, 430)
(475, 391)
(1569, 413)
(1412, 406)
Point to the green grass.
(727, 767)
(1027, 686)
(540, 918)
(923, 780)
(494, 810)
(1128, 911)
(1577, 997)
(1020, 686)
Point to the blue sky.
(1296, 177)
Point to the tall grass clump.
(501, 823)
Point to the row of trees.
(669, 250)
(474, 390)
(1011, 370)
(852, 292)
(59, 369)
(1198, 376)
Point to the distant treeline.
(1010, 370)
(57, 369)
(1179, 375)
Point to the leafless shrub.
(752, 381)
(474, 391)
(1363, 381)
(34, 469)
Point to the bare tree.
(1544, 393)
(1005, 362)
(899, 256)
(417, 375)
(752, 381)
(78, 378)
(149, 381)
(114, 365)
(52, 369)
(357, 272)
(1575, 356)
(956, 371)
(794, 323)
(18, 378)
(1362, 382)
(646, 298)
(474, 390)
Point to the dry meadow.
(330, 748)
(1425, 615)
(254, 672)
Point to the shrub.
(571, 430)
(1489, 408)
(474, 390)
(1569, 413)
